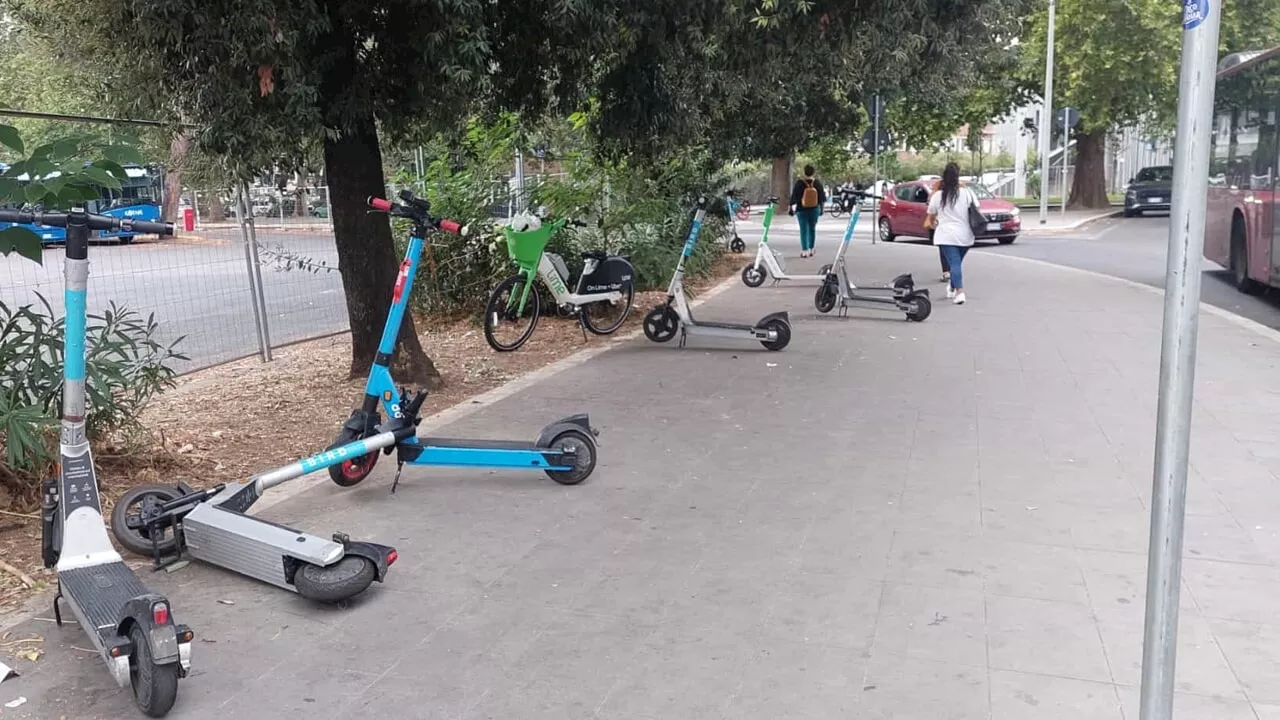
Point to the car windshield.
(1155, 174)
(980, 190)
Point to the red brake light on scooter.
(381, 204)
(160, 613)
(392, 557)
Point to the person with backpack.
(807, 199)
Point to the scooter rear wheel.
(585, 462)
(155, 687)
(920, 308)
(783, 329)
(350, 473)
(344, 579)
(131, 512)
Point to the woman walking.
(807, 198)
(949, 214)
(929, 221)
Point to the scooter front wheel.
(661, 324)
(130, 516)
(584, 461)
(825, 298)
(783, 330)
(737, 245)
(753, 277)
(155, 687)
(350, 473)
(344, 579)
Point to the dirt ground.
(226, 422)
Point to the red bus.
(1241, 229)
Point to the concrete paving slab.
(886, 520)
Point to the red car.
(903, 211)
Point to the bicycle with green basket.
(601, 298)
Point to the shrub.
(126, 366)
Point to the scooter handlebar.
(379, 204)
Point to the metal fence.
(227, 297)
(201, 285)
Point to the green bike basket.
(526, 247)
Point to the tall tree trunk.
(367, 257)
(780, 179)
(179, 145)
(1089, 186)
(214, 211)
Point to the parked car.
(1150, 189)
(903, 210)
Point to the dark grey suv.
(1151, 189)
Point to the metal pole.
(875, 187)
(1066, 135)
(250, 237)
(1046, 119)
(1178, 355)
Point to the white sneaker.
(946, 277)
(959, 298)
(951, 292)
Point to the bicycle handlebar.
(95, 222)
(417, 210)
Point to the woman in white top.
(949, 213)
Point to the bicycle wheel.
(505, 326)
(605, 317)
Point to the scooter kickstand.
(396, 483)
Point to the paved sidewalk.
(886, 520)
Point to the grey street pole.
(1066, 136)
(1178, 355)
(875, 204)
(1046, 118)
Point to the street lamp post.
(1200, 22)
(1046, 118)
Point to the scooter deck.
(721, 326)
(252, 546)
(435, 442)
(97, 594)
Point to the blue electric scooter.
(565, 450)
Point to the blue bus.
(138, 198)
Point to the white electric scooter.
(770, 263)
(661, 324)
(902, 293)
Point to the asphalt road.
(1135, 249)
(199, 291)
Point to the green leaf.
(34, 191)
(10, 138)
(101, 177)
(112, 167)
(123, 154)
(22, 241)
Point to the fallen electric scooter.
(131, 627)
(674, 316)
(565, 450)
(902, 293)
